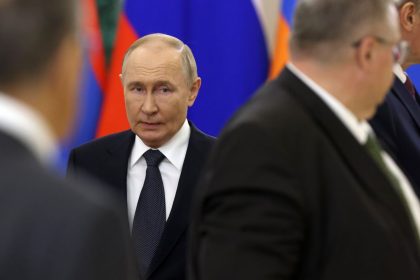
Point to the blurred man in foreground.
(49, 229)
(298, 187)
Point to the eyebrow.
(158, 83)
(164, 82)
(135, 83)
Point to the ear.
(364, 52)
(195, 87)
(121, 79)
(407, 16)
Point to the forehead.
(160, 61)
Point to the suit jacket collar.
(365, 170)
(179, 217)
(118, 154)
(359, 129)
(412, 106)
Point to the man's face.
(156, 92)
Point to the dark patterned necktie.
(410, 87)
(150, 217)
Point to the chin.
(152, 142)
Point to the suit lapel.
(413, 107)
(117, 162)
(359, 162)
(179, 218)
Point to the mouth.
(149, 125)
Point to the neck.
(337, 80)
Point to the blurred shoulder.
(106, 141)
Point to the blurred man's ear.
(195, 87)
(364, 52)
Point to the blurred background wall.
(238, 45)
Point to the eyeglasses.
(399, 50)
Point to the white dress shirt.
(361, 130)
(170, 169)
(26, 125)
(399, 72)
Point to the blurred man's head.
(159, 77)
(352, 45)
(40, 56)
(409, 12)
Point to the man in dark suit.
(49, 228)
(296, 186)
(160, 81)
(397, 121)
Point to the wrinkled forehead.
(149, 65)
(153, 57)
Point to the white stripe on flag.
(268, 12)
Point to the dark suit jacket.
(290, 194)
(397, 125)
(107, 158)
(52, 229)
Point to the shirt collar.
(22, 122)
(399, 72)
(174, 150)
(359, 129)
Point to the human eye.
(164, 89)
(136, 89)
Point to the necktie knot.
(153, 157)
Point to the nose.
(149, 105)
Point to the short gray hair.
(415, 2)
(323, 27)
(188, 61)
(30, 32)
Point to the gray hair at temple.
(324, 28)
(30, 32)
(188, 61)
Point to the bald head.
(159, 42)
